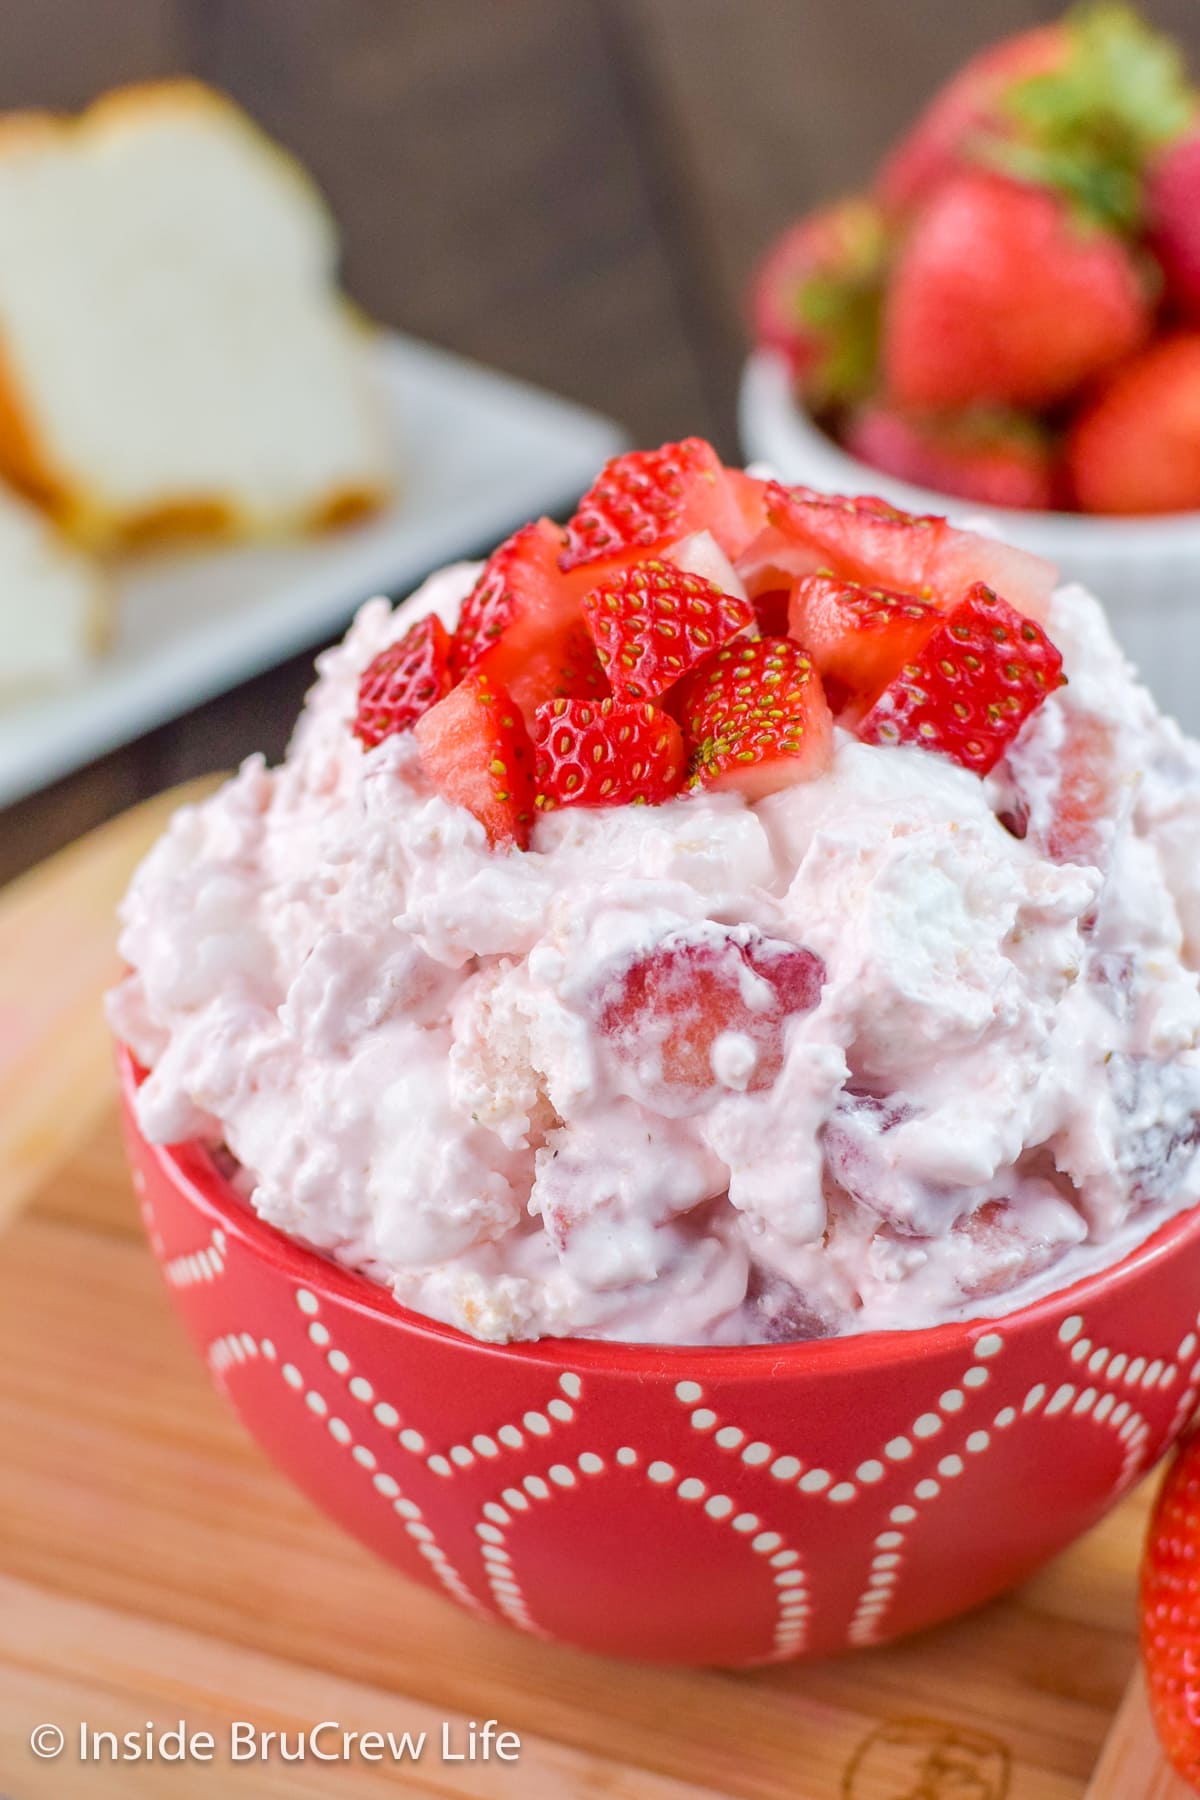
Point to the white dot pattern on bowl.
(1099, 1386)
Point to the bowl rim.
(766, 397)
(190, 1169)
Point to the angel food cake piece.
(55, 606)
(747, 914)
(174, 353)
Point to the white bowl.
(1146, 571)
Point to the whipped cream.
(431, 1062)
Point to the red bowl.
(729, 1506)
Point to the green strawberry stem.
(1089, 128)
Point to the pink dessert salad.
(746, 914)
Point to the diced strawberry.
(771, 610)
(520, 594)
(998, 459)
(1136, 447)
(647, 499)
(400, 684)
(859, 536)
(1000, 297)
(964, 557)
(663, 1014)
(1007, 1252)
(970, 103)
(750, 494)
(606, 754)
(816, 299)
(869, 541)
(971, 687)
(756, 719)
(1173, 207)
(861, 637)
(1087, 793)
(652, 623)
(1169, 1604)
(476, 751)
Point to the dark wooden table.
(569, 189)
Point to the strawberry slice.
(1169, 1605)
(859, 637)
(606, 754)
(652, 623)
(476, 751)
(520, 624)
(664, 1013)
(645, 500)
(400, 684)
(876, 544)
(971, 687)
(756, 718)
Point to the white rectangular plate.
(478, 453)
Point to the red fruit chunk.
(771, 609)
(476, 751)
(1087, 794)
(664, 1013)
(648, 499)
(1026, 581)
(403, 682)
(861, 1160)
(756, 718)
(520, 592)
(1173, 206)
(1169, 1606)
(606, 754)
(869, 541)
(971, 688)
(1136, 447)
(816, 299)
(861, 637)
(1000, 296)
(652, 623)
(1008, 1253)
(750, 496)
(521, 625)
(859, 536)
(971, 102)
(996, 459)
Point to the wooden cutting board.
(154, 1568)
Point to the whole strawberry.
(1136, 447)
(1173, 207)
(817, 296)
(1002, 296)
(997, 458)
(971, 104)
(1170, 1612)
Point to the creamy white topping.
(431, 1063)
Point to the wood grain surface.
(153, 1566)
(573, 190)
